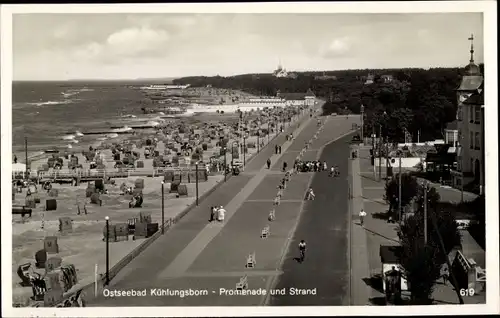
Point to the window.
(471, 113)
(449, 138)
(460, 113)
(477, 116)
(471, 140)
(477, 141)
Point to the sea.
(46, 112)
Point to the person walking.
(302, 251)
(445, 274)
(268, 163)
(279, 150)
(221, 214)
(362, 215)
(212, 214)
(276, 149)
(284, 166)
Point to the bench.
(243, 283)
(250, 261)
(277, 200)
(272, 215)
(22, 210)
(265, 232)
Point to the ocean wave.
(69, 137)
(63, 102)
(78, 133)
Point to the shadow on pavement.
(378, 301)
(383, 236)
(375, 282)
(381, 215)
(374, 201)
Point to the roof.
(452, 126)
(390, 254)
(470, 83)
(476, 98)
(441, 158)
(293, 96)
(296, 96)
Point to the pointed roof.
(472, 80)
(310, 93)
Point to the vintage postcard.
(231, 159)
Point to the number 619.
(467, 292)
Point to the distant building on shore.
(370, 78)
(164, 87)
(470, 119)
(298, 99)
(281, 72)
(325, 77)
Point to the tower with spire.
(469, 123)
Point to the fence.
(102, 174)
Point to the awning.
(452, 150)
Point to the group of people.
(217, 213)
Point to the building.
(325, 77)
(298, 99)
(469, 172)
(451, 134)
(281, 72)
(370, 79)
(387, 78)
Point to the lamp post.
(425, 212)
(26, 155)
(232, 152)
(399, 190)
(163, 207)
(461, 170)
(379, 152)
(244, 151)
(225, 163)
(107, 251)
(268, 129)
(196, 183)
(362, 123)
(258, 140)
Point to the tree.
(409, 189)
(423, 260)
(446, 221)
(417, 259)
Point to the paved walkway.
(323, 224)
(205, 257)
(378, 232)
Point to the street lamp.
(258, 140)
(244, 150)
(225, 163)
(232, 152)
(163, 207)
(268, 129)
(107, 251)
(362, 123)
(196, 164)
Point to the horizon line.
(241, 74)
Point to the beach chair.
(251, 261)
(265, 232)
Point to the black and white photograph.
(228, 159)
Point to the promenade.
(206, 257)
(325, 228)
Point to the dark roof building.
(296, 96)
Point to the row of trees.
(415, 101)
(421, 259)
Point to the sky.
(130, 46)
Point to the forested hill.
(416, 99)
